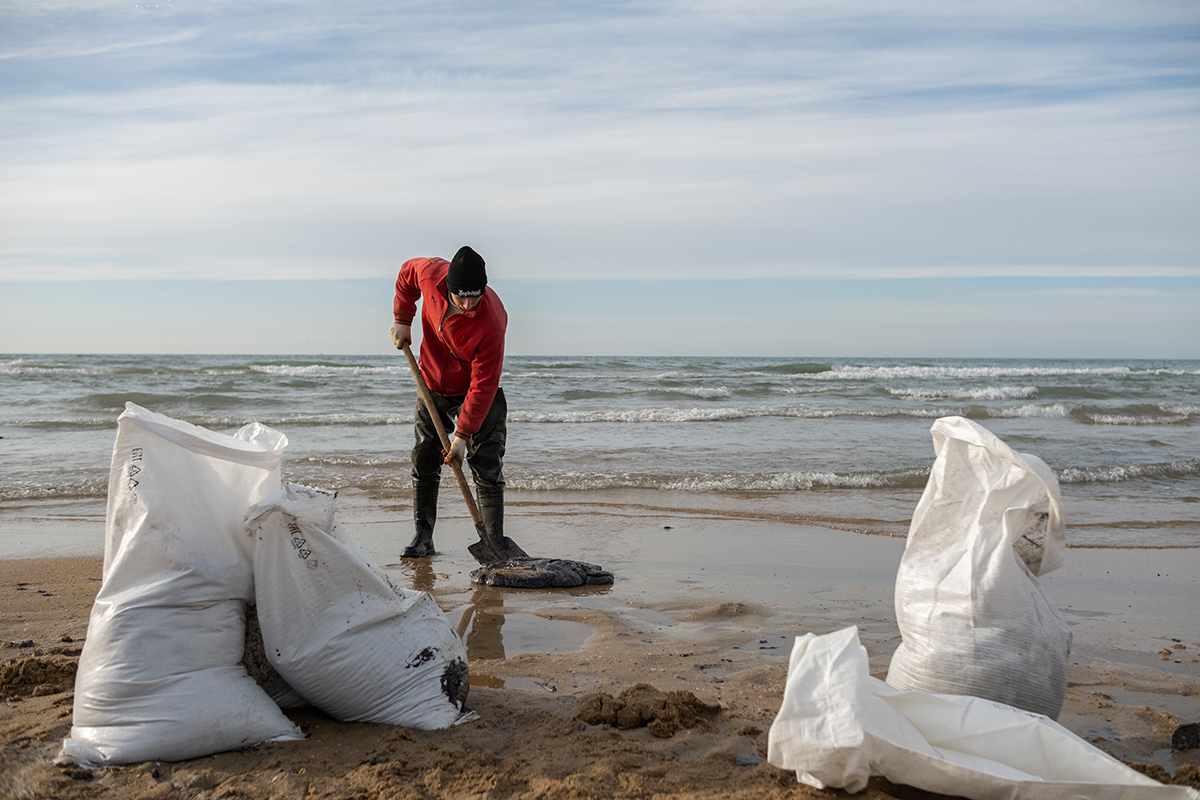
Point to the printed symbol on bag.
(312, 564)
(134, 469)
(301, 550)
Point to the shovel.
(489, 549)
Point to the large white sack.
(973, 616)
(340, 632)
(838, 726)
(159, 677)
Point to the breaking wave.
(986, 393)
(723, 482)
(1119, 473)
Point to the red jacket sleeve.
(408, 292)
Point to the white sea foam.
(959, 373)
(1116, 473)
(1054, 410)
(985, 393)
(1129, 419)
(724, 413)
(722, 482)
(633, 415)
(1181, 410)
(531, 375)
(858, 430)
(780, 482)
(701, 391)
(325, 370)
(19, 369)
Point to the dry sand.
(705, 603)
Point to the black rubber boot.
(491, 509)
(425, 495)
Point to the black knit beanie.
(466, 277)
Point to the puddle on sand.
(715, 672)
(490, 632)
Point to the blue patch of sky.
(333, 44)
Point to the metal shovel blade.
(489, 550)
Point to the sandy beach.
(707, 602)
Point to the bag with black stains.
(159, 678)
(340, 633)
(973, 616)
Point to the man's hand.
(401, 335)
(458, 449)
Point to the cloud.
(231, 141)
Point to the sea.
(843, 442)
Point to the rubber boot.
(491, 509)
(425, 495)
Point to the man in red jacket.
(462, 353)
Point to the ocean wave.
(392, 474)
(986, 393)
(670, 375)
(555, 364)
(66, 489)
(630, 416)
(1142, 414)
(708, 393)
(1033, 411)
(1118, 473)
(723, 482)
(799, 368)
(1173, 408)
(19, 368)
(825, 372)
(327, 370)
(116, 401)
(402, 463)
(227, 423)
(1123, 419)
(929, 372)
(1085, 414)
(658, 415)
(703, 392)
(104, 366)
(364, 419)
(506, 375)
(108, 406)
(66, 423)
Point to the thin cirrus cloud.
(634, 140)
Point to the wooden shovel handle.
(441, 429)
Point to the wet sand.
(706, 600)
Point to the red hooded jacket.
(461, 354)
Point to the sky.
(985, 179)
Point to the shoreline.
(709, 604)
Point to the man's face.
(465, 303)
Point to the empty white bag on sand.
(159, 677)
(837, 726)
(973, 617)
(340, 633)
